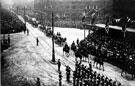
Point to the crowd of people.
(68, 23)
(10, 23)
(116, 52)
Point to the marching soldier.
(59, 64)
(60, 78)
(106, 81)
(76, 65)
(85, 71)
(81, 81)
(119, 84)
(114, 83)
(74, 78)
(110, 82)
(102, 80)
(67, 73)
(78, 76)
(90, 66)
(88, 73)
(68, 70)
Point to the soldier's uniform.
(60, 78)
(106, 81)
(85, 71)
(59, 64)
(68, 73)
(74, 78)
(98, 79)
(81, 81)
(110, 82)
(90, 66)
(85, 82)
(76, 65)
(82, 71)
(102, 80)
(114, 83)
(77, 84)
(119, 84)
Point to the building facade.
(70, 8)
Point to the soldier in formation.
(68, 73)
(60, 78)
(85, 76)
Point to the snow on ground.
(72, 34)
(29, 61)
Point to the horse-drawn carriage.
(34, 22)
(41, 27)
(48, 32)
(59, 40)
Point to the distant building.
(68, 8)
(124, 7)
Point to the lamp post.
(53, 52)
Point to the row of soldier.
(85, 76)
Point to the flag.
(107, 25)
(83, 19)
(93, 19)
(124, 25)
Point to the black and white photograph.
(67, 42)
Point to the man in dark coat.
(37, 41)
(59, 64)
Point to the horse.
(60, 41)
(78, 55)
(99, 60)
(73, 48)
(85, 54)
(49, 32)
(66, 49)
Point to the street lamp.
(53, 52)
